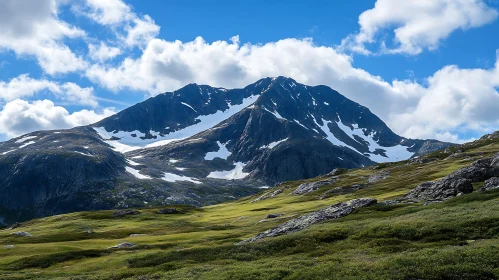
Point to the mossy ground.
(456, 239)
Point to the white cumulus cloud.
(19, 117)
(416, 25)
(25, 86)
(32, 28)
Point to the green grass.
(456, 239)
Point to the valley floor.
(455, 239)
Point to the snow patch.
(275, 113)
(222, 152)
(180, 168)
(234, 174)
(273, 144)
(131, 162)
(136, 173)
(188, 106)
(27, 144)
(88, 155)
(296, 121)
(394, 153)
(4, 153)
(25, 138)
(170, 177)
(173, 160)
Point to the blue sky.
(427, 68)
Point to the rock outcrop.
(458, 182)
(332, 212)
(310, 187)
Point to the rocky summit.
(198, 145)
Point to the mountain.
(198, 145)
(432, 217)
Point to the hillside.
(392, 239)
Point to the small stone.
(273, 216)
(123, 245)
(9, 247)
(168, 211)
(90, 231)
(125, 212)
(136, 234)
(22, 233)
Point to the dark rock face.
(168, 211)
(125, 212)
(329, 213)
(310, 187)
(491, 184)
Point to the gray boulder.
(125, 212)
(21, 234)
(440, 190)
(491, 184)
(332, 212)
(9, 247)
(310, 187)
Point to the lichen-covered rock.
(491, 184)
(334, 211)
(123, 245)
(310, 187)
(21, 234)
(125, 212)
